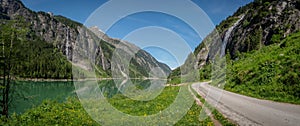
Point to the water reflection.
(28, 94)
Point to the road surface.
(245, 110)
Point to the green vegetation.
(226, 24)
(41, 60)
(205, 72)
(253, 41)
(32, 58)
(192, 118)
(175, 76)
(140, 108)
(72, 113)
(67, 21)
(185, 73)
(52, 113)
(269, 73)
(246, 23)
(276, 38)
(217, 115)
(161, 102)
(28, 94)
(11, 34)
(174, 80)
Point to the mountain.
(258, 24)
(141, 57)
(78, 43)
(261, 44)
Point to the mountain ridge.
(73, 39)
(265, 22)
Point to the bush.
(52, 113)
(276, 38)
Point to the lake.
(28, 94)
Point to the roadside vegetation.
(216, 114)
(269, 73)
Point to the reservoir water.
(28, 94)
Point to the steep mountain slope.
(272, 72)
(261, 41)
(141, 57)
(258, 24)
(75, 41)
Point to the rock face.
(141, 58)
(74, 40)
(264, 22)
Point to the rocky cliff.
(259, 23)
(75, 41)
(142, 58)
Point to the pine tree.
(12, 33)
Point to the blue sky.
(167, 37)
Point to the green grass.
(271, 73)
(140, 108)
(51, 113)
(192, 118)
(217, 115)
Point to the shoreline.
(59, 80)
(68, 80)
